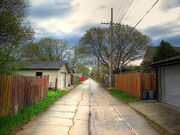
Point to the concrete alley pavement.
(88, 110)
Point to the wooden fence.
(17, 92)
(135, 83)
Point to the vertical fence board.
(135, 83)
(16, 92)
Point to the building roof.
(44, 65)
(150, 50)
(170, 61)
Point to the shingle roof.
(56, 65)
(170, 61)
(150, 50)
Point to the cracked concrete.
(88, 110)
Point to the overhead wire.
(122, 9)
(125, 12)
(134, 4)
(118, 11)
(144, 16)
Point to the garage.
(63, 80)
(171, 92)
(168, 81)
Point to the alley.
(88, 110)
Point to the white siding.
(171, 85)
(61, 72)
(53, 74)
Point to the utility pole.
(98, 70)
(111, 48)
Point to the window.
(38, 73)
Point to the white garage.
(63, 80)
(57, 71)
(169, 81)
(171, 92)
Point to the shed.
(57, 71)
(168, 82)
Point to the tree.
(75, 56)
(146, 67)
(47, 49)
(164, 51)
(15, 32)
(127, 46)
(81, 69)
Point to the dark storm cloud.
(85, 27)
(72, 38)
(42, 33)
(169, 4)
(160, 30)
(164, 32)
(51, 9)
(173, 40)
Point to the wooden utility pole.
(111, 48)
(98, 70)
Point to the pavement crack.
(73, 119)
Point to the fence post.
(56, 85)
(141, 84)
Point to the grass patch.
(152, 121)
(9, 123)
(78, 83)
(125, 97)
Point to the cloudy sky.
(69, 19)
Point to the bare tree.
(75, 56)
(127, 46)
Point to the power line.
(126, 10)
(130, 11)
(123, 11)
(122, 8)
(144, 16)
(118, 11)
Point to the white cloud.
(85, 12)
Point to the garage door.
(63, 80)
(171, 89)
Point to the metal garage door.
(63, 80)
(171, 89)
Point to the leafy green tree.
(164, 51)
(146, 67)
(47, 49)
(127, 46)
(15, 32)
(132, 68)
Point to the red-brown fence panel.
(17, 92)
(134, 83)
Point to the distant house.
(70, 76)
(150, 50)
(168, 80)
(55, 69)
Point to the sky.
(70, 19)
